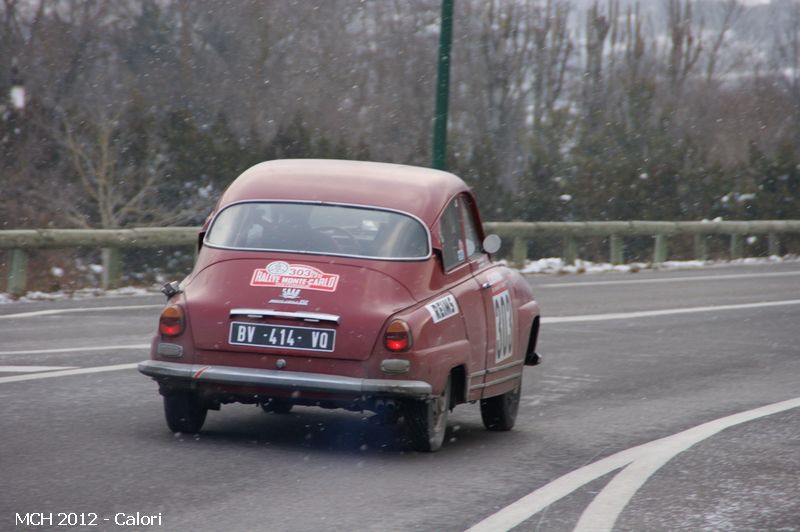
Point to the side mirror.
(491, 244)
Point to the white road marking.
(75, 349)
(31, 369)
(73, 310)
(546, 320)
(670, 279)
(666, 312)
(67, 372)
(642, 461)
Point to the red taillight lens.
(171, 321)
(398, 336)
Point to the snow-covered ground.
(552, 265)
(83, 293)
(558, 266)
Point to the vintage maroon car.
(358, 285)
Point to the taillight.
(398, 336)
(171, 321)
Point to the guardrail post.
(700, 247)
(112, 267)
(519, 252)
(660, 248)
(18, 272)
(616, 250)
(736, 246)
(774, 244)
(570, 249)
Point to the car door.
(461, 283)
(502, 368)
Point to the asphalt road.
(666, 401)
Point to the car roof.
(422, 192)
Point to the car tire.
(277, 406)
(184, 412)
(500, 412)
(427, 421)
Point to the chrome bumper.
(284, 380)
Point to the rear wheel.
(427, 421)
(184, 412)
(278, 406)
(500, 412)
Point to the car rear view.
(324, 283)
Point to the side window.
(450, 227)
(471, 235)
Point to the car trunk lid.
(309, 306)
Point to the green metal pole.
(443, 88)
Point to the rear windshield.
(320, 229)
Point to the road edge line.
(68, 372)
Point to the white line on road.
(602, 513)
(31, 369)
(65, 373)
(669, 279)
(74, 349)
(73, 310)
(545, 320)
(666, 312)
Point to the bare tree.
(685, 46)
(497, 76)
(115, 193)
(731, 12)
(594, 90)
(552, 51)
(118, 179)
(788, 71)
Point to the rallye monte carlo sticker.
(442, 308)
(280, 274)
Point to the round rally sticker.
(278, 267)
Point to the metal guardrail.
(18, 242)
(111, 241)
(521, 232)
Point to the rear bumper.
(283, 380)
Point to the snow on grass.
(558, 266)
(83, 293)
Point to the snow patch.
(558, 266)
(83, 293)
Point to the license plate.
(282, 337)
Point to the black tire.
(184, 413)
(500, 412)
(277, 406)
(427, 421)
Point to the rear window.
(320, 229)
